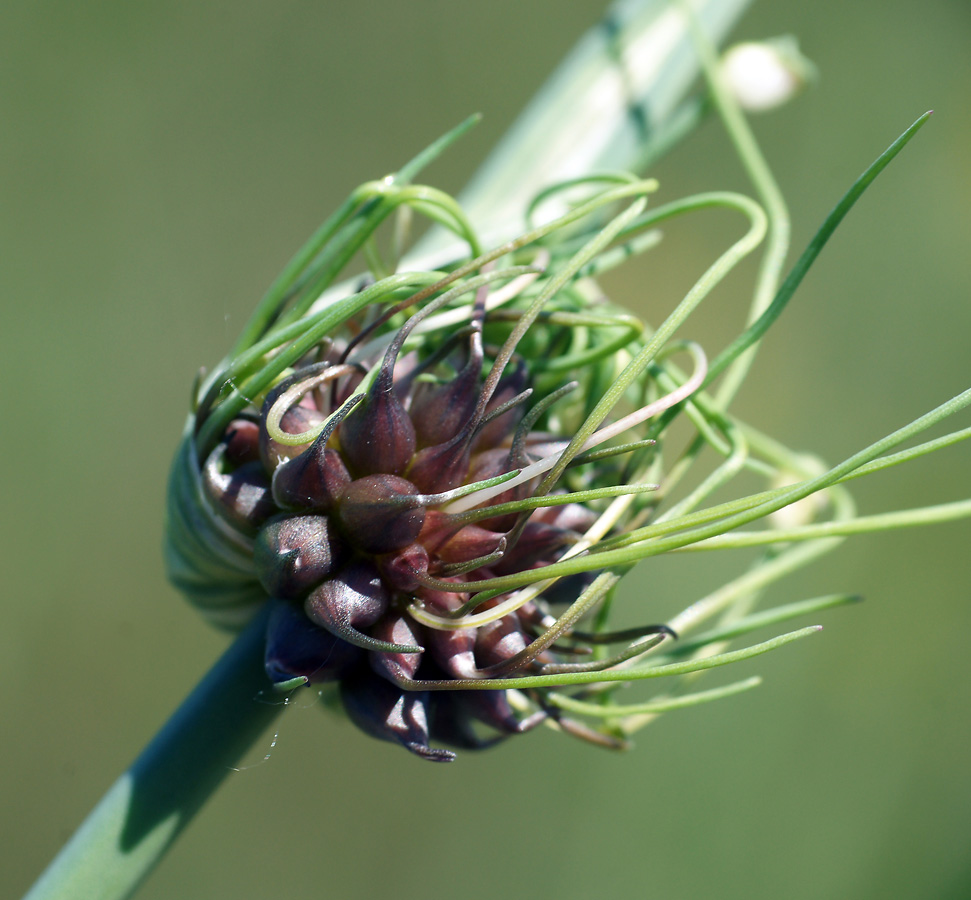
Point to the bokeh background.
(160, 162)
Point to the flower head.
(423, 447)
(437, 475)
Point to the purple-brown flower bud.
(453, 716)
(440, 411)
(294, 554)
(312, 481)
(298, 649)
(454, 651)
(536, 543)
(242, 442)
(378, 437)
(470, 542)
(354, 598)
(492, 708)
(402, 569)
(241, 496)
(396, 667)
(442, 467)
(386, 712)
(379, 513)
(498, 641)
(489, 464)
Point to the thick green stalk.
(618, 94)
(128, 832)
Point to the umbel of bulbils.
(377, 488)
(417, 476)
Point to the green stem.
(904, 518)
(148, 806)
(758, 171)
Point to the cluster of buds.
(349, 492)
(400, 485)
(431, 481)
(381, 488)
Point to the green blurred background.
(160, 162)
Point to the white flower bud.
(766, 74)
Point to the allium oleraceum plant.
(438, 477)
(416, 489)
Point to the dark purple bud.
(537, 544)
(242, 442)
(342, 389)
(442, 467)
(313, 480)
(444, 601)
(438, 528)
(379, 513)
(387, 713)
(402, 569)
(353, 599)
(296, 648)
(454, 651)
(498, 641)
(440, 411)
(489, 463)
(470, 542)
(242, 496)
(378, 436)
(293, 554)
(396, 667)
